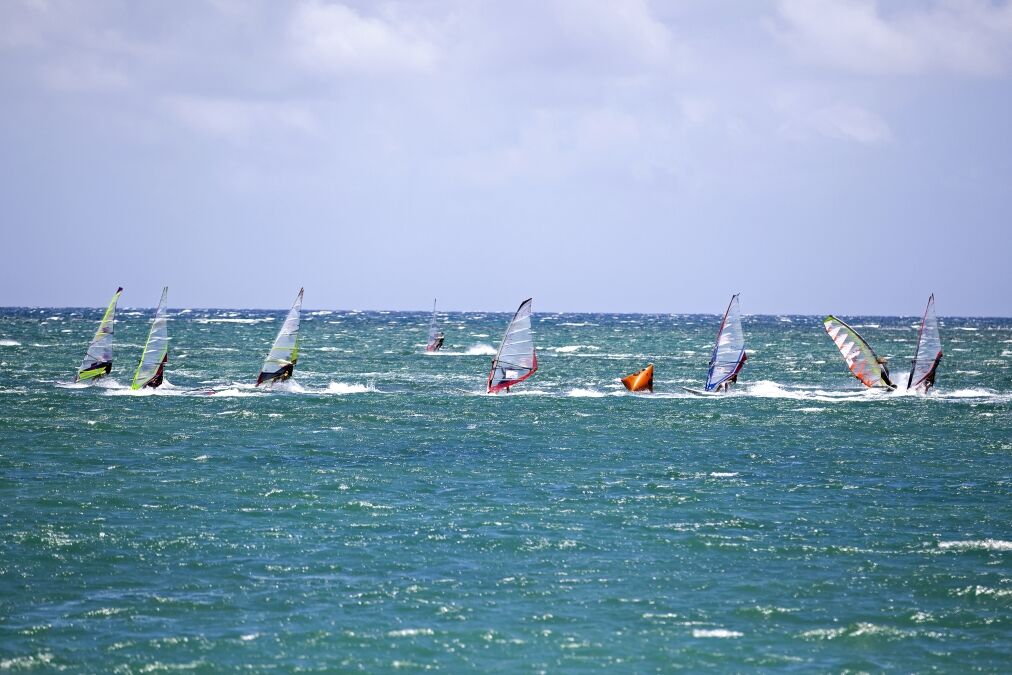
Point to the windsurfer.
(883, 361)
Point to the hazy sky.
(816, 155)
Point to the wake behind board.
(700, 392)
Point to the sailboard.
(435, 342)
(517, 359)
(728, 351)
(700, 392)
(151, 369)
(98, 359)
(860, 357)
(929, 351)
(640, 380)
(284, 354)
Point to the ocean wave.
(569, 349)
(715, 633)
(410, 632)
(976, 545)
(967, 393)
(344, 388)
(9, 343)
(479, 349)
(861, 629)
(771, 389)
(585, 393)
(235, 392)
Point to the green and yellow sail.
(98, 359)
(151, 369)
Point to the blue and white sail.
(729, 351)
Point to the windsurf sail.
(929, 351)
(151, 370)
(435, 342)
(98, 360)
(516, 359)
(729, 351)
(280, 362)
(860, 357)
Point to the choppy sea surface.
(381, 512)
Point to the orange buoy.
(638, 381)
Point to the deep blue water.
(382, 512)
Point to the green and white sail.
(98, 360)
(860, 357)
(151, 370)
(280, 362)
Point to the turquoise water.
(381, 512)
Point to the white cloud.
(620, 27)
(970, 37)
(805, 116)
(853, 123)
(237, 120)
(336, 37)
(84, 77)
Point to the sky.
(818, 156)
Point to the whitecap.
(585, 393)
(345, 388)
(9, 343)
(234, 392)
(410, 633)
(976, 545)
(715, 633)
(968, 393)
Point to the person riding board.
(882, 362)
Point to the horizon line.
(505, 311)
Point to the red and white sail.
(516, 359)
(729, 351)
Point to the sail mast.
(151, 369)
(284, 354)
(98, 359)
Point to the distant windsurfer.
(438, 344)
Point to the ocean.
(380, 512)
